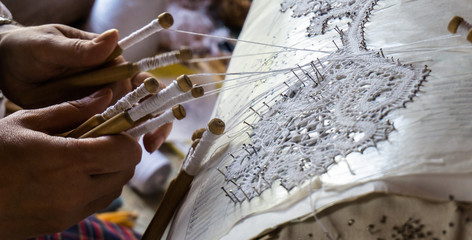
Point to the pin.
(248, 124)
(316, 69)
(307, 74)
(382, 53)
(319, 62)
(221, 172)
(227, 194)
(335, 45)
(239, 187)
(234, 195)
(296, 76)
(255, 111)
(255, 190)
(265, 104)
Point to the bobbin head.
(197, 92)
(216, 126)
(195, 143)
(184, 83)
(151, 84)
(179, 112)
(185, 53)
(165, 20)
(198, 133)
(454, 24)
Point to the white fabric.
(431, 138)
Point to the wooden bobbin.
(197, 92)
(114, 125)
(92, 122)
(454, 24)
(185, 54)
(195, 143)
(165, 20)
(151, 84)
(179, 112)
(216, 126)
(197, 134)
(184, 83)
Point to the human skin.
(48, 183)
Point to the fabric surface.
(384, 217)
(92, 228)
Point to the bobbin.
(149, 86)
(458, 23)
(198, 133)
(195, 92)
(177, 112)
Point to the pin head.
(184, 83)
(197, 92)
(198, 133)
(454, 24)
(216, 126)
(151, 84)
(165, 20)
(185, 53)
(179, 112)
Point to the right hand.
(49, 183)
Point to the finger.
(107, 154)
(104, 184)
(77, 52)
(71, 32)
(100, 203)
(63, 117)
(153, 140)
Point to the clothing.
(92, 228)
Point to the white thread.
(246, 41)
(151, 104)
(192, 165)
(464, 28)
(158, 61)
(183, 97)
(140, 34)
(150, 125)
(126, 102)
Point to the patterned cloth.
(92, 228)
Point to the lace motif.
(344, 111)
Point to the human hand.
(33, 55)
(49, 183)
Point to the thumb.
(78, 52)
(66, 116)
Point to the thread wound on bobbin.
(184, 83)
(198, 133)
(185, 53)
(165, 20)
(151, 84)
(454, 24)
(197, 92)
(216, 126)
(179, 112)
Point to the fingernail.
(105, 35)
